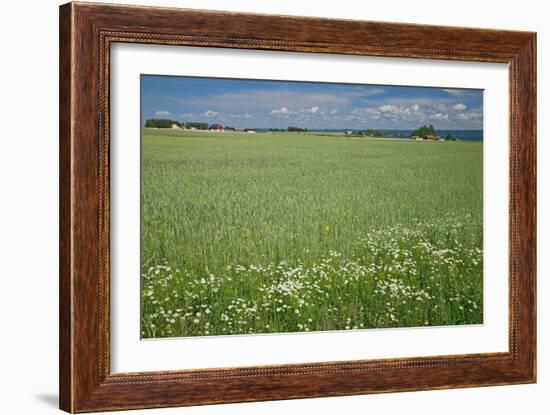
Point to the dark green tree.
(197, 125)
(161, 123)
(424, 131)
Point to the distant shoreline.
(328, 133)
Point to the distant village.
(426, 132)
(200, 126)
(157, 123)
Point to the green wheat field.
(295, 232)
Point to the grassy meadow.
(288, 232)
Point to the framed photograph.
(258, 207)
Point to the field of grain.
(287, 232)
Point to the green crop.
(279, 232)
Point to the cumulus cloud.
(460, 107)
(456, 115)
(210, 114)
(439, 116)
(388, 108)
(282, 110)
(470, 116)
(286, 111)
(341, 107)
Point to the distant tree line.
(160, 123)
(373, 133)
(167, 123)
(196, 125)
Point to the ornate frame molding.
(87, 32)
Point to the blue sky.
(279, 104)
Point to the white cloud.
(282, 110)
(388, 108)
(366, 111)
(439, 116)
(412, 112)
(460, 107)
(285, 111)
(454, 92)
(470, 116)
(440, 107)
(210, 114)
(333, 109)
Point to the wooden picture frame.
(86, 33)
